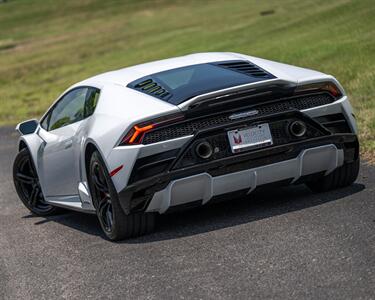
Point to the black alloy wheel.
(115, 223)
(27, 185)
(102, 196)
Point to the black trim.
(245, 67)
(217, 137)
(335, 123)
(261, 106)
(215, 133)
(137, 195)
(185, 206)
(238, 72)
(152, 165)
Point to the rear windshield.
(178, 85)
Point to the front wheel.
(27, 185)
(114, 222)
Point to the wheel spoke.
(109, 216)
(27, 185)
(25, 178)
(101, 177)
(98, 180)
(99, 185)
(31, 167)
(102, 197)
(102, 207)
(34, 196)
(105, 212)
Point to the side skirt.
(71, 202)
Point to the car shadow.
(87, 223)
(261, 204)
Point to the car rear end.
(227, 142)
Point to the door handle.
(68, 144)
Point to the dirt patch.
(7, 44)
(368, 156)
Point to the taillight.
(135, 135)
(329, 87)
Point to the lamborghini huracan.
(183, 132)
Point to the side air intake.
(246, 68)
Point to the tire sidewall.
(116, 209)
(23, 154)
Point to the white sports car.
(129, 144)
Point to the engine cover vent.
(150, 87)
(246, 68)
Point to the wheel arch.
(21, 145)
(32, 142)
(89, 149)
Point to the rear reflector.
(115, 171)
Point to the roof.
(129, 74)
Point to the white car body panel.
(59, 155)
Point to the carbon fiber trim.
(191, 126)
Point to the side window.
(91, 101)
(68, 110)
(44, 122)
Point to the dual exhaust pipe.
(297, 128)
(204, 150)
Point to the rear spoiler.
(236, 93)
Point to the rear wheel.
(340, 177)
(27, 185)
(114, 222)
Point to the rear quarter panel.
(119, 108)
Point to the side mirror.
(27, 127)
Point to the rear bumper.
(204, 187)
(242, 172)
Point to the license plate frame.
(254, 137)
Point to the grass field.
(46, 45)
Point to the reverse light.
(329, 87)
(137, 132)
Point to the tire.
(26, 182)
(115, 223)
(340, 177)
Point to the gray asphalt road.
(281, 243)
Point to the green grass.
(46, 45)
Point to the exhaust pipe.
(297, 128)
(204, 150)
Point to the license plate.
(250, 138)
